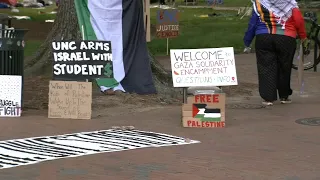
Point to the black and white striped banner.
(19, 152)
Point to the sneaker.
(267, 103)
(285, 101)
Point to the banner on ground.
(81, 60)
(203, 67)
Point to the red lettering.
(193, 124)
(207, 98)
(223, 124)
(167, 34)
(202, 98)
(216, 98)
(206, 124)
(218, 124)
(196, 98)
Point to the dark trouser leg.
(267, 67)
(286, 47)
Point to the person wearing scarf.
(275, 24)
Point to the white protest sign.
(203, 67)
(10, 96)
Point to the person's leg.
(286, 47)
(267, 68)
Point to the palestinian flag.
(122, 23)
(205, 114)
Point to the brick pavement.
(258, 144)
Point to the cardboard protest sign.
(81, 60)
(203, 67)
(70, 100)
(167, 23)
(10, 95)
(204, 111)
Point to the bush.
(153, 1)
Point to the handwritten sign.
(70, 100)
(10, 96)
(167, 23)
(203, 67)
(204, 111)
(80, 60)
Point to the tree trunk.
(66, 27)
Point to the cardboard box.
(204, 111)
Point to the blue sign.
(168, 16)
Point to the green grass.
(31, 47)
(198, 32)
(226, 3)
(195, 32)
(208, 32)
(32, 13)
(236, 3)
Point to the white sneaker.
(267, 103)
(285, 101)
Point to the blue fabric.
(4, 6)
(251, 31)
(212, 2)
(255, 27)
(220, 1)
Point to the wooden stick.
(185, 94)
(167, 46)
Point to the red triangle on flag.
(195, 110)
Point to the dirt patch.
(36, 91)
(164, 61)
